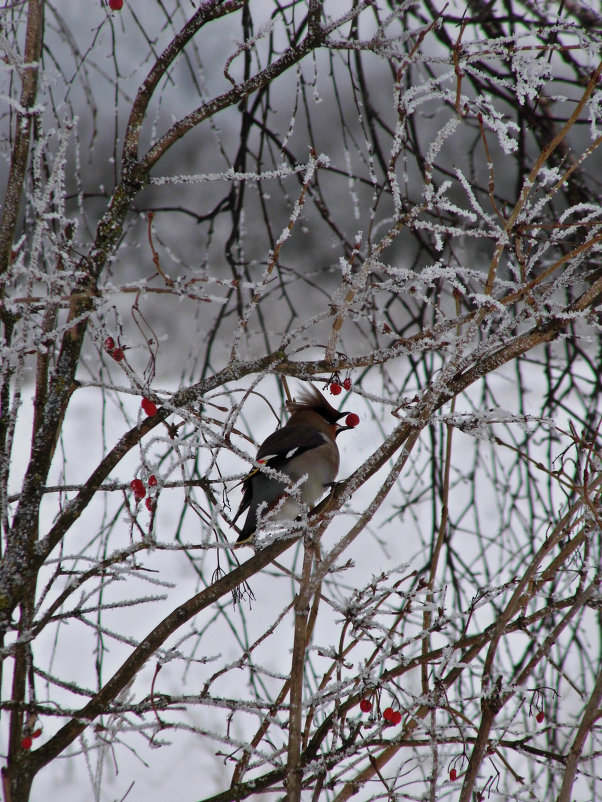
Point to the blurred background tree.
(203, 202)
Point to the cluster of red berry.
(112, 350)
(27, 740)
(139, 491)
(391, 716)
(336, 388)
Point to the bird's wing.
(277, 449)
(289, 442)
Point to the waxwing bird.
(304, 447)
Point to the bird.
(305, 451)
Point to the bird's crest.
(310, 398)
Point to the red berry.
(347, 384)
(138, 488)
(352, 419)
(109, 344)
(26, 742)
(36, 733)
(118, 354)
(115, 5)
(150, 504)
(365, 705)
(388, 714)
(453, 774)
(152, 480)
(396, 717)
(149, 406)
(335, 388)
(540, 717)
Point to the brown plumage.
(305, 445)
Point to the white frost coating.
(446, 131)
(548, 175)
(594, 111)
(283, 171)
(505, 129)
(25, 112)
(531, 71)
